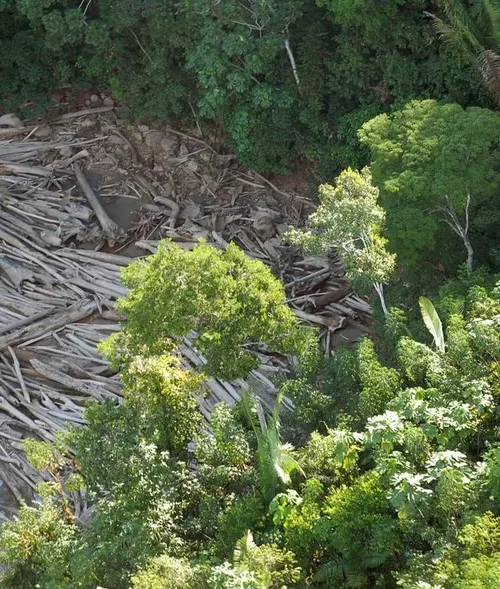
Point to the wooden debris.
(113, 232)
(57, 297)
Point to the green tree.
(435, 163)
(233, 303)
(350, 222)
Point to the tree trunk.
(379, 287)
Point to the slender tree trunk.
(292, 62)
(450, 217)
(379, 287)
(470, 254)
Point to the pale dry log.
(12, 488)
(10, 133)
(172, 205)
(17, 369)
(332, 323)
(108, 288)
(76, 312)
(20, 417)
(72, 383)
(332, 296)
(89, 255)
(113, 232)
(16, 273)
(82, 113)
(7, 169)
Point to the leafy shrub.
(379, 383)
(164, 395)
(165, 572)
(37, 546)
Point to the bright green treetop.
(435, 162)
(233, 303)
(350, 221)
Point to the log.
(332, 297)
(7, 169)
(24, 419)
(17, 369)
(9, 133)
(82, 113)
(113, 232)
(68, 381)
(332, 323)
(69, 315)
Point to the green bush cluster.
(394, 481)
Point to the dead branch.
(113, 232)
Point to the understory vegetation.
(386, 473)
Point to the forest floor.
(61, 255)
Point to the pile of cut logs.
(61, 257)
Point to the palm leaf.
(489, 66)
(432, 322)
(492, 10)
(275, 460)
(457, 27)
(242, 550)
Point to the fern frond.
(339, 570)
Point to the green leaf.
(432, 322)
(242, 550)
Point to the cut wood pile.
(81, 195)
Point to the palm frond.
(472, 24)
(457, 28)
(489, 66)
(248, 406)
(261, 417)
(275, 460)
(454, 38)
(242, 550)
(491, 9)
(289, 463)
(432, 322)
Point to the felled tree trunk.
(113, 232)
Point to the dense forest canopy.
(386, 473)
(279, 80)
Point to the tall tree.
(435, 163)
(232, 303)
(350, 222)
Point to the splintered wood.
(58, 291)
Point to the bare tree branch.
(450, 217)
(292, 62)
